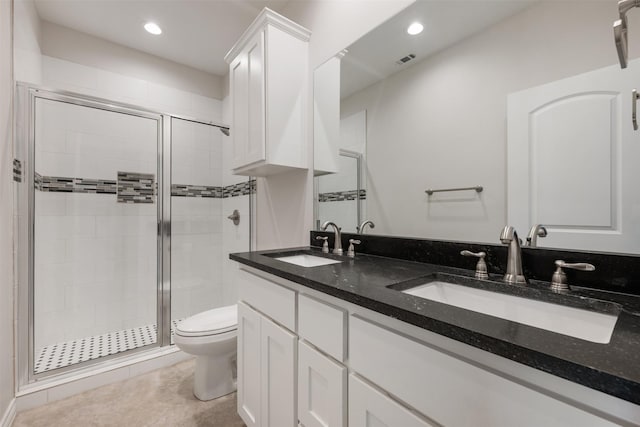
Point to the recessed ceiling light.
(153, 28)
(415, 28)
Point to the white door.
(370, 408)
(571, 162)
(278, 367)
(322, 385)
(248, 365)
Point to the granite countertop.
(612, 368)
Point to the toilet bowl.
(211, 337)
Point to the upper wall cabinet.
(268, 71)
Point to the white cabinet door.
(370, 408)
(278, 366)
(248, 104)
(321, 389)
(256, 102)
(239, 84)
(248, 365)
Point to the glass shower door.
(95, 237)
(196, 218)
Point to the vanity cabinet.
(268, 91)
(347, 365)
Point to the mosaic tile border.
(134, 187)
(17, 170)
(342, 196)
(241, 189)
(183, 190)
(74, 185)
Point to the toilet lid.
(211, 322)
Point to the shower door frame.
(24, 122)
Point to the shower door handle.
(634, 103)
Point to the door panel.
(571, 156)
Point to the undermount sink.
(575, 322)
(306, 260)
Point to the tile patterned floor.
(71, 352)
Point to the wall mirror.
(524, 99)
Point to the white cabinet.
(268, 69)
(369, 407)
(322, 385)
(266, 371)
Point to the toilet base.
(214, 376)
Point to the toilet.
(211, 336)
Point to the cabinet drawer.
(323, 325)
(369, 407)
(273, 300)
(322, 386)
(450, 390)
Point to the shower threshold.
(69, 353)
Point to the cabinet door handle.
(634, 102)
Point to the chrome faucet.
(360, 228)
(337, 244)
(538, 230)
(514, 260)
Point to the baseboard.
(9, 414)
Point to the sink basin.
(575, 322)
(305, 260)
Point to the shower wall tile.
(49, 204)
(235, 239)
(95, 254)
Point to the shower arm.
(620, 30)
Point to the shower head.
(224, 130)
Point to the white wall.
(6, 216)
(64, 43)
(442, 122)
(285, 201)
(27, 36)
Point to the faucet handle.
(351, 252)
(559, 278)
(325, 245)
(481, 266)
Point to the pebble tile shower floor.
(81, 350)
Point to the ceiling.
(374, 56)
(197, 33)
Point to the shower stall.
(120, 225)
